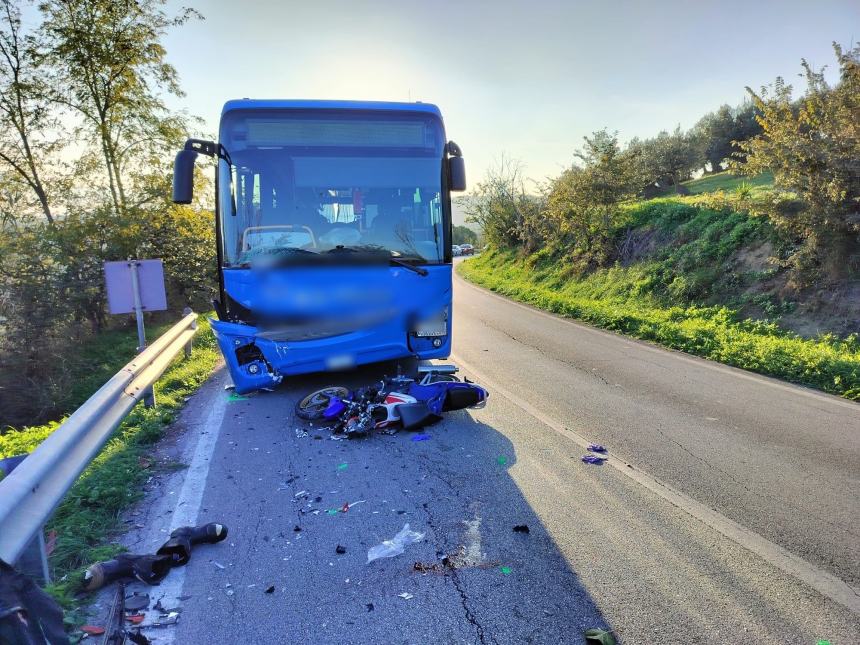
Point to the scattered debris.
(370, 606)
(405, 596)
(422, 567)
(596, 447)
(300, 493)
(135, 619)
(394, 546)
(505, 570)
(171, 619)
(501, 460)
(594, 459)
(521, 528)
(270, 589)
(343, 466)
(218, 564)
(136, 602)
(597, 636)
(345, 507)
(297, 529)
(236, 397)
(92, 630)
(300, 434)
(340, 550)
(421, 437)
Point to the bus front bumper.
(257, 362)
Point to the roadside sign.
(120, 288)
(136, 286)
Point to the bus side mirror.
(183, 176)
(458, 173)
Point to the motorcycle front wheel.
(312, 406)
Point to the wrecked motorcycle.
(408, 402)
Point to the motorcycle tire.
(312, 406)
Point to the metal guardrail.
(31, 492)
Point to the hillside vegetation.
(757, 267)
(693, 278)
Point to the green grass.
(724, 181)
(89, 513)
(625, 299)
(100, 356)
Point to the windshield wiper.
(403, 263)
(275, 256)
(370, 252)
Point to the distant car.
(456, 250)
(467, 249)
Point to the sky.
(526, 80)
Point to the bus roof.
(303, 104)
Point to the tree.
(671, 157)
(464, 235)
(812, 146)
(718, 133)
(25, 111)
(583, 201)
(507, 214)
(113, 69)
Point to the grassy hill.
(696, 273)
(724, 181)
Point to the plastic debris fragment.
(394, 546)
(92, 630)
(521, 528)
(236, 397)
(219, 565)
(343, 466)
(505, 570)
(405, 596)
(370, 606)
(596, 447)
(501, 460)
(270, 589)
(420, 437)
(597, 636)
(340, 550)
(594, 459)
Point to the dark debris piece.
(297, 529)
(370, 606)
(521, 528)
(270, 589)
(340, 550)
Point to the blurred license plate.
(431, 330)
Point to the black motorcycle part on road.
(150, 569)
(416, 415)
(178, 547)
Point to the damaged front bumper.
(259, 359)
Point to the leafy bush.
(609, 299)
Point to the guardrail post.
(189, 344)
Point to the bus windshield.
(337, 186)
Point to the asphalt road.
(731, 517)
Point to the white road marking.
(822, 581)
(689, 358)
(187, 507)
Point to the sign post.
(136, 286)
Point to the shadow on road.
(471, 579)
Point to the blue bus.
(333, 221)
